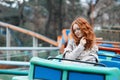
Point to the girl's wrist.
(81, 46)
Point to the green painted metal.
(13, 72)
(9, 74)
(64, 75)
(20, 78)
(31, 71)
(110, 73)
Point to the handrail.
(28, 32)
(14, 63)
(29, 48)
(109, 42)
(100, 64)
(117, 50)
(115, 56)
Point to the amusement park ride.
(53, 68)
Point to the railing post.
(35, 44)
(8, 40)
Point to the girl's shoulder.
(71, 41)
(95, 47)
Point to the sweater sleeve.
(94, 51)
(71, 53)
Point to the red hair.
(86, 30)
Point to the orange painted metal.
(117, 50)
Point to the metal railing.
(35, 36)
(26, 51)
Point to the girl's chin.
(80, 37)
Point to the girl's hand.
(83, 41)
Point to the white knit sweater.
(78, 53)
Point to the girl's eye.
(78, 28)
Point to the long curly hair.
(86, 30)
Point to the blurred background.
(50, 17)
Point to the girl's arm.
(70, 53)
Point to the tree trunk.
(49, 17)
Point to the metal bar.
(14, 63)
(14, 72)
(28, 32)
(8, 40)
(35, 44)
(29, 48)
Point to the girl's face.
(77, 31)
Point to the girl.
(82, 47)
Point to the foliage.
(49, 17)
